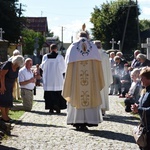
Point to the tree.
(50, 33)
(145, 30)
(144, 24)
(109, 22)
(29, 37)
(10, 20)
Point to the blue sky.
(70, 14)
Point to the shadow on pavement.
(47, 113)
(112, 135)
(7, 148)
(122, 119)
(39, 101)
(37, 124)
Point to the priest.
(53, 68)
(83, 82)
(107, 77)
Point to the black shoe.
(2, 133)
(51, 111)
(7, 121)
(83, 128)
(57, 109)
(128, 109)
(77, 128)
(12, 121)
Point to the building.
(38, 24)
(54, 40)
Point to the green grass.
(122, 103)
(16, 114)
(135, 115)
(17, 101)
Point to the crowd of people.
(121, 71)
(131, 81)
(80, 82)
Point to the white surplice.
(53, 70)
(107, 78)
(83, 82)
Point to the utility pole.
(129, 7)
(125, 25)
(20, 10)
(62, 35)
(41, 13)
(62, 44)
(139, 38)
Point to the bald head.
(28, 63)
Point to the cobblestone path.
(38, 130)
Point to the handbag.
(140, 132)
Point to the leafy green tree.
(145, 29)
(50, 33)
(10, 20)
(29, 40)
(109, 22)
(144, 24)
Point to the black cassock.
(54, 100)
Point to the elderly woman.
(15, 53)
(8, 75)
(133, 94)
(144, 102)
(143, 60)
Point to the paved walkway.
(38, 130)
